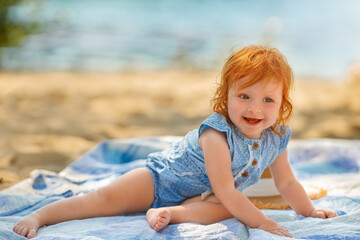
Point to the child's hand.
(323, 213)
(272, 227)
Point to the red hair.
(259, 62)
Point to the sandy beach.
(47, 120)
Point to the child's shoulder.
(216, 118)
(285, 129)
(280, 137)
(216, 121)
(281, 131)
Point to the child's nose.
(255, 107)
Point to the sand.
(47, 120)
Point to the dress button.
(254, 162)
(256, 145)
(245, 174)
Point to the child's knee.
(213, 199)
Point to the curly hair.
(260, 62)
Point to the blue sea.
(319, 37)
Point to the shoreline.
(47, 120)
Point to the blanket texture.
(331, 164)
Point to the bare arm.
(218, 167)
(293, 191)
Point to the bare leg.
(192, 210)
(132, 192)
(200, 211)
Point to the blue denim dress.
(179, 172)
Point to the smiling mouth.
(252, 121)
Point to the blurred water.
(319, 37)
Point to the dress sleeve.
(216, 121)
(285, 139)
(219, 123)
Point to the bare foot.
(28, 226)
(158, 218)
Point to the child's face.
(256, 107)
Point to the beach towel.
(327, 163)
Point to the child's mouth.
(252, 121)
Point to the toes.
(158, 225)
(152, 225)
(15, 228)
(32, 233)
(18, 229)
(23, 231)
(163, 213)
(158, 219)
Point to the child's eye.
(268, 100)
(244, 96)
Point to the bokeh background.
(74, 73)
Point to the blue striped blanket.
(331, 164)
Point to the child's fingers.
(318, 214)
(324, 213)
(286, 233)
(321, 214)
(277, 230)
(272, 227)
(330, 214)
(282, 232)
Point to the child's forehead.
(266, 83)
